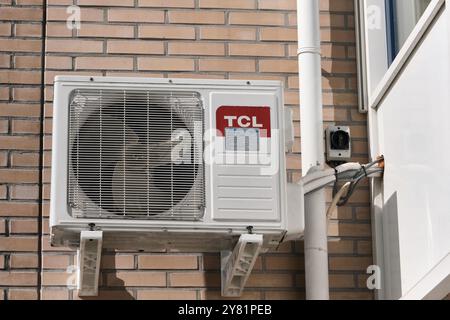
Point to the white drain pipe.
(310, 77)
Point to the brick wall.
(20, 105)
(234, 39)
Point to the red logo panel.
(243, 117)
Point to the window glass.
(402, 16)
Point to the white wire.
(317, 175)
(336, 199)
(318, 184)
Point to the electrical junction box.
(338, 141)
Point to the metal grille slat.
(120, 154)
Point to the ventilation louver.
(135, 154)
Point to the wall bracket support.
(89, 256)
(237, 265)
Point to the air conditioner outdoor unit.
(172, 165)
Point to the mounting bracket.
(237, 265)
(89, 256)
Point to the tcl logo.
(243, 122)
(243, 117)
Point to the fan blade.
(161, 153)
(111, 126)
(134, 192)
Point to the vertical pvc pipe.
(310, 77)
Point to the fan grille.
(136, 154)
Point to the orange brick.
(19, 142)
(217, 295)
(133, 279)
(332, 20)
(352, 295)
(28, 62)
(135, 15)
(22, 294)
(74, 46)
(24, 159)
(364, 247)
(18, 176)
(227, 65)
(19, 45)
(277, 66)
(257, 50)
(191, 75)
(4, 126)
(54, 294)
(29, 2)
(350, 263)
(24, 192)
(167, 262)
(24, 261)
(18, 243)
(86, 14)
(194, 279)
(339, 66)
(5, 61)
(27, 94)
(341, 281)
(106, 31)
(19, 77)
(285, 295)
(117, 261)
(291, 97)
(23, 226)
(197, 17)
(108, 3)
(2, 260)
(196, 48)
(5, 29)
(229, 4)
(25, 126)
(56, 62)
(340, 247)
(166, 295)
(22, 14)
(336, 6)
(227, 33)
(28, 30)
(278, 34)
(3, 159)
(164, 64)
(278, 4)
(18, 278)
(167, 3)
(55, 261)
(166, 32)
(354, 229)
(257, 18)
(18, 209)
(56, 29)
(119, 294)
(270, 280)
(58, 278)
(104, 63)
(284, 263)
(135, 47)
(338, 36)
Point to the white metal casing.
(236, 196)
